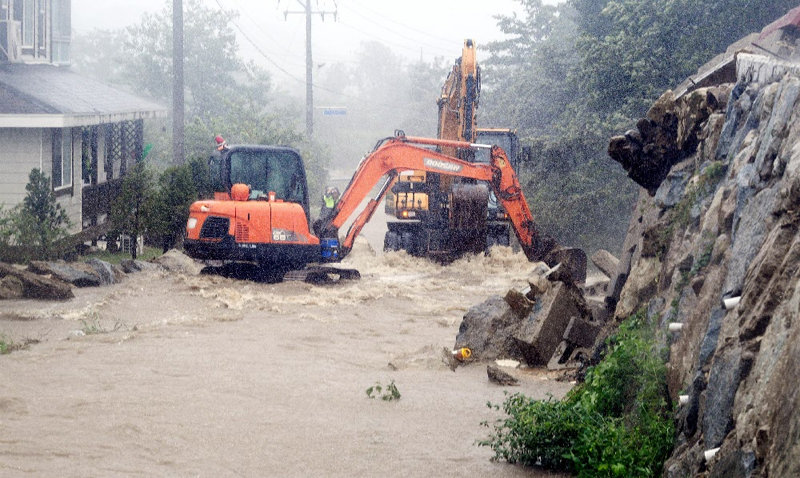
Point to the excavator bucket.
(572, 260)
(468, 211)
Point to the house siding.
(23, 150)
(27, 148)
(71, 201)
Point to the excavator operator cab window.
(483, 155)
(215, 171)
(265, 171)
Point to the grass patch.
(117, 257)
(7, 345)
(93, 327)
(617, 423)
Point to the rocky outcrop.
(77, 274)
(720, 220)
(32, 286)
(548, 324)
(670, 133)
(53, 280)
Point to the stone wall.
(721, 220)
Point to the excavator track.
(322, 275)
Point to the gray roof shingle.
(27, 89)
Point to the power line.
(379, 14)
(307, 11)
(286, 72)
(259, 50)
(398, 33)
(287, 57)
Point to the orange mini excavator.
(261, 215)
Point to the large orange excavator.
(261, 214)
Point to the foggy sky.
(413, 29)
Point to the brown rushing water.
(194, 375)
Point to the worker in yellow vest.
(329, 200)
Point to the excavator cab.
(267, 171)
(260, 210)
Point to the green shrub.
(617, 423)
(170, 206)
(36, 225)
(132, 208)
(6, 345)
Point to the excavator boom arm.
(405, 153)
(458, 102)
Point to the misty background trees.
(566, 77)
(570, 76)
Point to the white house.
(79, 132)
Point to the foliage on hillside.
(569, 76)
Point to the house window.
(62, 158)
(33, 15)
(61, 26)
(28, 19)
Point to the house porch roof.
(47, 96)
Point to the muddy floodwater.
(171, 374)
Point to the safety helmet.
(332, 191)
(220, 142)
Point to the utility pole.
(307, 11)
(177, 82)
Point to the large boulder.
(541, 332)
(487, 330)
(176, 261)
(104, 270)
(606, 262)
(77, 274)
(135, 265)
(528, 326)
(570, 261)
(36, 286)
(11, 287)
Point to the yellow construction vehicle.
(440, 216)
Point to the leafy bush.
(177, 190)
(6, 227)
(617, 423)
(37, 224)
(133, 207)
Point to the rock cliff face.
(719, 220)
